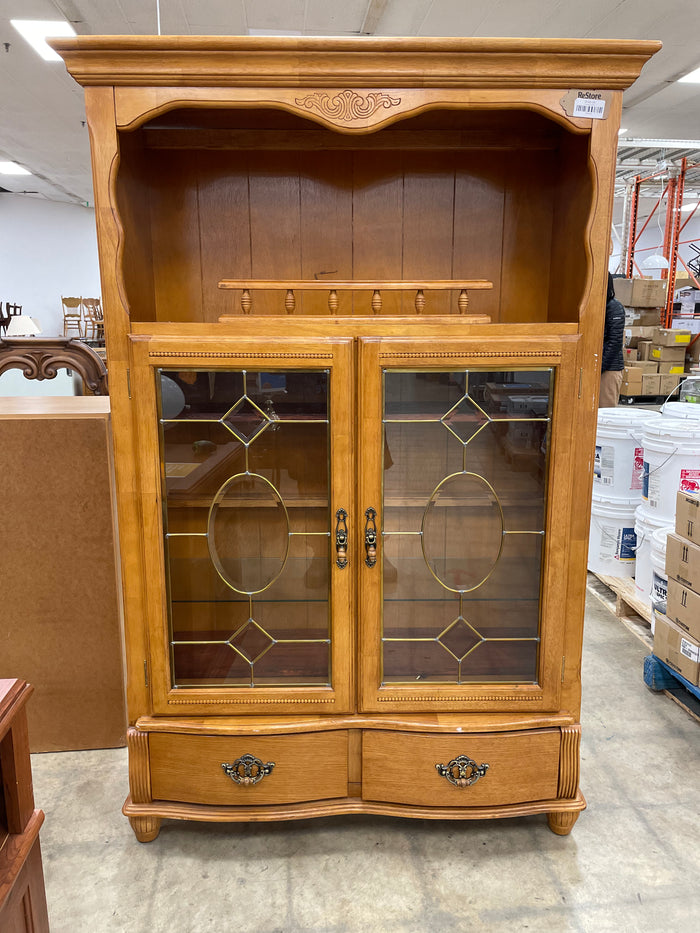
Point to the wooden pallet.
(620, 596)
(660, 677)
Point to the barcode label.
(604, 465)
(594, 109)
(692, 652)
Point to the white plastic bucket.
(659, 577)
(619, 456)
(612, 542)
(671, 463)
(680, 410)
(646, 524)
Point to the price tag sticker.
(595, 109)
(592, 105)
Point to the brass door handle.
(341, 539)
(370, 537)
(247, 770)
(462, 771)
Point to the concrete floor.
(631, 863)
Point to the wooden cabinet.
(354, 299)
(22, 895)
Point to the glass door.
(468, 500)
(251, 543)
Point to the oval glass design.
(462, 532)
(248, 533)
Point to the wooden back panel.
(310, 204)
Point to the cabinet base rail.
(145, 818)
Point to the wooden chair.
(72, 316)
(11, 310)
(93, 320)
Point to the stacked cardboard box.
(640, 379)
(656, 364)
(641, 293)
(677, 634)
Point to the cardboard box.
(635, 333)
(640, 293)
(683, 608)
(683, 561)
(646, 366)
(648, 319)
(671, 369)
(688, 516)
(673, 646)
(671, 337)
(644, 349)
(632, 380)
(637, 382)
(651, 384)
(669, 385)
(668, 354)
(630, 355)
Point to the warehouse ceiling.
(42, 117)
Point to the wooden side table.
(22, 894)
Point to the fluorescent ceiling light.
(621, 131)
(35, 31)
(11, 168)
(692, 78)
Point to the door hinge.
(563, 665)
(145, 672)
(128, 382)
(580, 382)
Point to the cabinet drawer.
(307, 766)
(400, 768)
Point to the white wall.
(47, 249)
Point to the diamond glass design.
(465, 420)
(251, 641)
(245, 420)
(459, 638)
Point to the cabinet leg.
(145, 828)
(562, 822)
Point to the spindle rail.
(246, 286)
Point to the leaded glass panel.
(245, 472)
(464, 487)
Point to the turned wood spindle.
(420, 301)
(376, 301)
(290, 301)
(333, 301)
(246, 301)
(463, 301)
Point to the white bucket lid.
(680, 410)
(608, 505)
(658, 538)
(645, 517)
(681, 433)
(626, 416)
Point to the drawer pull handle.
(341, 538)
(462, 771)
(247, 770)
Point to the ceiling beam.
(375, 11)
